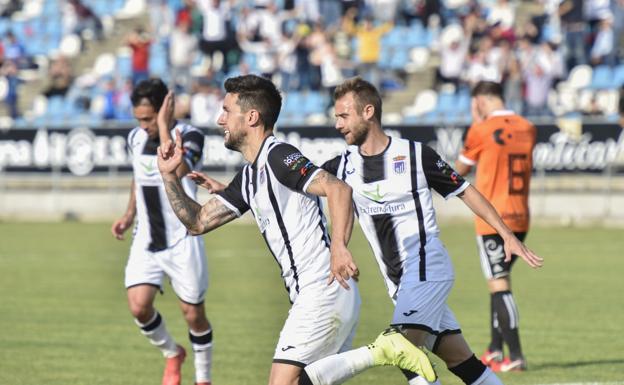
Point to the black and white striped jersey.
(393, 201)
(157, 226)
(291, 221)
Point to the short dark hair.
(363, 93)
(154, 90)
(258, 93)
(486, 88)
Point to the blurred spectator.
(453, 51)
(287, 61)
(602, 51)
(60, 77)
(86, 20)
(540, 68)
(162, 19)
(1, 53)
(140, 43)
(369, 48)
(502, 13)
(9, 7)
(123, 104)
(10, 72)
(309, 10)
(574, 30)
(189, 13)
(182, 51)
(214, 39)
(316, 42)
(617, 9)
(15, 51)
(110, 100)
(384, 10)
(331, 11)
(205, 103)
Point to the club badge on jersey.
(399, 164)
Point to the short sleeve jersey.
(290, 220)
(501, 147)
(157, 225)
(393, 199)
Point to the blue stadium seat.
(400, 59)
(618, 76)
(602, 77)
(446, 102)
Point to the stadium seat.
(602, 78)
(580, 76)
(618, 76)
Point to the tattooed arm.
(197, 219)
(340, 205)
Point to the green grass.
(63, 315)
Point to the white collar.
(501, 113)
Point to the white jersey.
(290, 220)
(392, 195)
(157, 226)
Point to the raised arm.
(340, 205)
(481, 207)
(197, 219)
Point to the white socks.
(338, 368)
(202, 349)
(156, 332)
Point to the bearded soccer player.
(500, 144)
(281, 188)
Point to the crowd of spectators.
(312, 45)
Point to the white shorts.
(184, 263)
(422, 305)
(321, 322)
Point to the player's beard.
(359, 133)
(235, 140)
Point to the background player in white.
(282, 189)
(161, 245)
(392, 180)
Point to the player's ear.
(368, 111)
(253, 117)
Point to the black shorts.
(492, 255)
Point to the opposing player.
(281, 187)
(392, 180)
(161, 245)
(500, 143)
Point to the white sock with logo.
(202, 350)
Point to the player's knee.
(141, 311)
(195, 316)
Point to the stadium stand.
(307, 48)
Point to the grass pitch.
(63, 315)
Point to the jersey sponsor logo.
(385, 209)
(291, 159)
(349, 172)
(448, 171)
(399, 164)
(409, 313)
(288, 348)
(304, 170)
(374, 195)
(148, 168)
(263, 222)
(499, 137)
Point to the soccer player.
(281, 188)
(161, 245)
(500, 143)
(392, 180)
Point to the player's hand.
(165, 114)
(170, 157)
(120, 226)
(203, 180)
(514, 246)
(342, 266)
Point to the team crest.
(399, 164)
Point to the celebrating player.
(281, 188)
(392, 180)
(161, 244)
